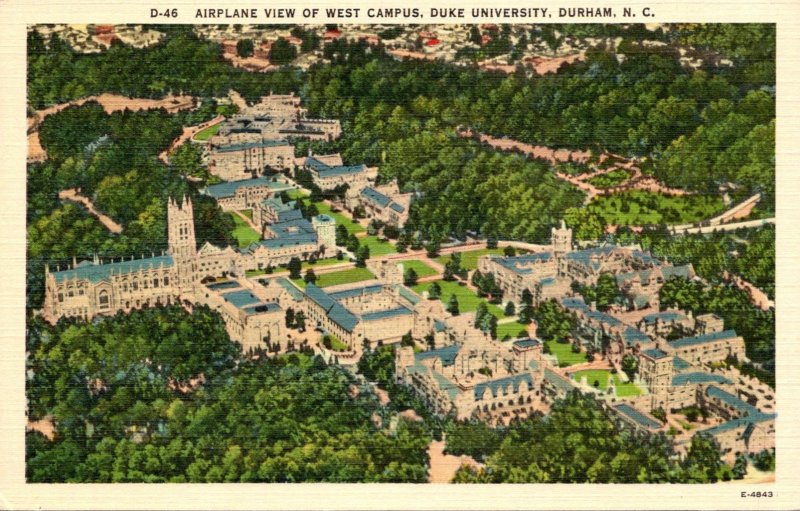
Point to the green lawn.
(339, 277)
(601, 375)
(422, 269)
(637, 207)
(511, 329)
(564, 354)
(467, 300)
(247, 212)
(469, 260)
(306, 265)
(377, 247)
(296, 194)
(243, 232)
(208, 132)
(336, 343)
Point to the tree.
(527, 297)
(295, 266)
(554, 323)
(630, 365)
(452, 305)
(282, 52)
(703, 460)
(300, 321)
(342, 236)
(510, 309)
(432, 248)
(244, 48)
(509, 251)
(740, 467)
(289, 317)
(310, 277)
(410, 277)
(361, 256)
(435, 291)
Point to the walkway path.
(443, 467)
(188, 133)
(74, 195)
(757, 297)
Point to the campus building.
(328, 177)
(245, 194)
(384, 203)
(245, 159)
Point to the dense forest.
(128, 407)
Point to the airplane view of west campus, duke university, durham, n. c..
(489, 253)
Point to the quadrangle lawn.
(422, 269)
(469, 259)
(339, 277)
(467, 300)
(511, 330)
(564, 354)
(243, 233)
(377, 247)
(601, 375)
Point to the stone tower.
(561, 240)
(325, 227)
(182, 247)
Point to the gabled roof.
(384, 314)
(358, 291)
(654, 353)
(744, 409)
(97, 273)
(447, 354)
(520, 264)
(343, 317)
(631, 336)
(637, 416)
(506, 384)
(664, 317)
(704, 338)
(697, 378)
(228, 188)
(318, 296)
(251, 145)
(375, 196)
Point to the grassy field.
(247, 212)
(638, 207)
(601, 375)
(469, 259)
(564, 354)
(306, 265)
(422, 269)
(339, 277)
(208, 132)
(511, 330)
(377, 247)
(243, 233)
(467, 300)
(611, 179)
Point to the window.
(60, 297)
(155, 282)
(135, 285)
(103, 299)
(166, 281)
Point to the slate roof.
(217, 286)
(397, 207)
(343, 317)
(744, 409)
(98, 273)
(447, 354)
(318, 296)
(680, 364)
(384, 314)
(655, 353)
(746, 423)
(637, 416)
(251, 145)
(527, 343)
(702, 339)
(358, 291)
(241, 298)
(631, 336)
(664, 317)
(295, 293)
(696, 378)
(375, 196)
(228, 188)
(324, 170)
(503, 385)
(517, 264)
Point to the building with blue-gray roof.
(384, 203)
(244, 194)
(328, 177)
(710, 347)
(242, 160)
(480, 378)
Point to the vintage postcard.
(371, 255)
